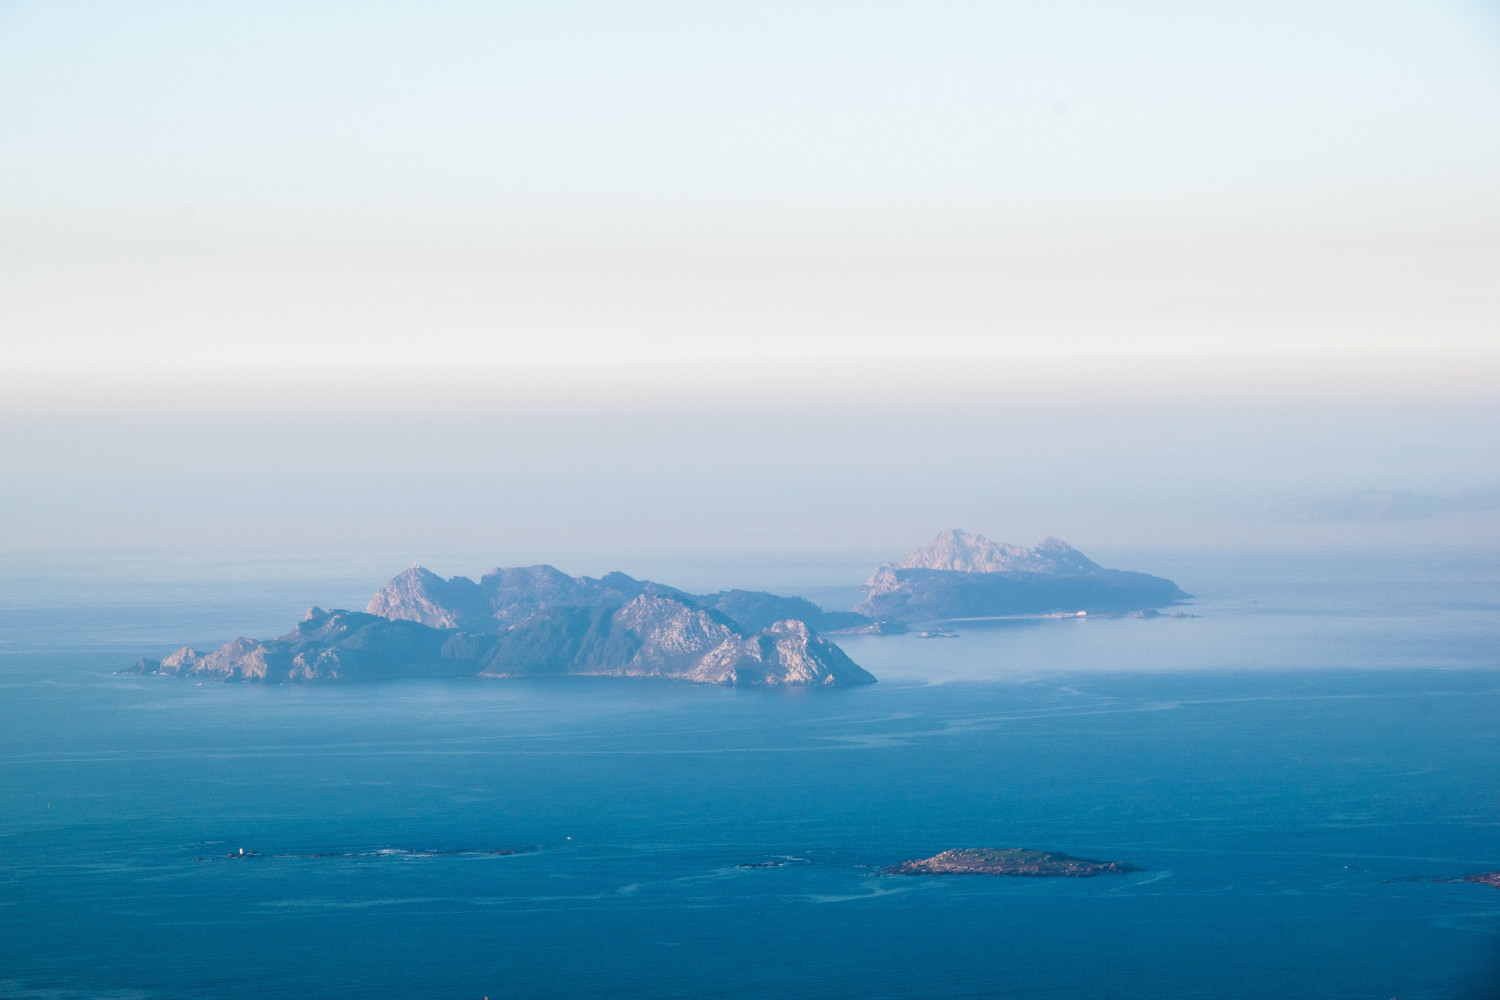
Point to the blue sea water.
(1296, 771)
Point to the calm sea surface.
(1296, 770)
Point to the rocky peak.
(328, 626)
(672, 627)
(1063, 557)
(964, 575)
(420, 595)
(184, 661)
(787, 652)
(515, 593)
(965, 552)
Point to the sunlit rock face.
(662, 637)
(502, 596)
(784, 653)
(964, 575)
(647, 637)
(508, 595)
(964, 552)
(326, 645)
(420, 595)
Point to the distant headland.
(964, 575)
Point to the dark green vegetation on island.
(1017, 861)
(963, 575)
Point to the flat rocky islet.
(1012, 861)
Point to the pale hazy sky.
(491, 205)
(623, 277)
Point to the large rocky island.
(964, 575)
(1016, 861)
(537, 621)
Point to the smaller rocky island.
(961, 575)
(1015, 861)
(1484, 878)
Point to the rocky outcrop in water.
(649, 636)
(1016, 861)
(963, 575)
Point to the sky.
(618, 278)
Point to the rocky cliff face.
(964, 552)
(505, 596)
(517, 593)
(962, 575)
(649, 636)
(419, 595)
(662, 637)
(673, 635)
(326, 645)
(785, 653)
(502, 596)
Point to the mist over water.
(602, 489)
(1293, 769)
